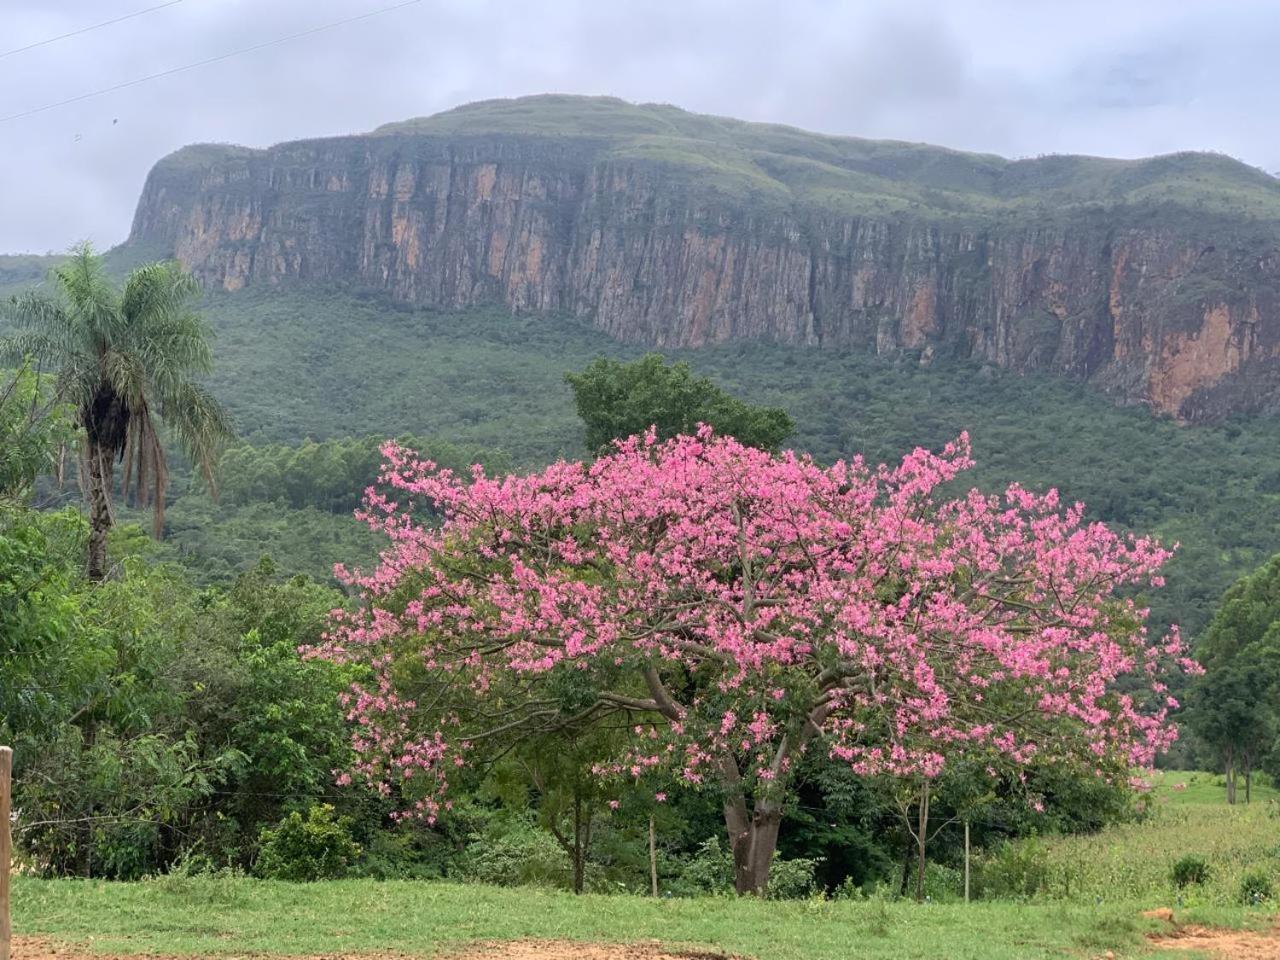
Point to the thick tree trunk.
(753, 842)
(1231, 778)
(98, 492)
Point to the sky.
(1020, 78)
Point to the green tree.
(617, 400)
(125, 360)
(33, 428)
(1235, 706)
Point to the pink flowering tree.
(732, 609)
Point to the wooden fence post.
(6, 842)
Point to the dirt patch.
(1222, 944)
(39, 948)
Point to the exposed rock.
(1153, 304)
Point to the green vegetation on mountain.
(328, 365)
(771, 162)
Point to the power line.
(203, 63)
(76, 33)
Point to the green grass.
(1134, 861)
(214, 917)
(1177, 788)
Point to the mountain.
(1157, 281)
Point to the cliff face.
(1153, 302)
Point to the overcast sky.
(1015, 77)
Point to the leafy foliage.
(317, 847)
(123, 361)
(618, 400)
(1235, 707)
(1191, 869)
(34, 429)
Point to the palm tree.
(124, 359)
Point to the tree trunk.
(98, 491)
(753, 841)
(653, 858)
(579, 855)
(1248, 781)
(908, 854)
(922, 834)
(1231, 778)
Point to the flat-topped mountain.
(1156, 280)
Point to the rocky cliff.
(1157, 281)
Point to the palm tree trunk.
(99, 496)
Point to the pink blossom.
(730, 607)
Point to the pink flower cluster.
(742, 607)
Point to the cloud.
(1004, 76)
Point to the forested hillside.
(296, 365)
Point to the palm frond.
(35, 311)
(201, 424)
(91, 299)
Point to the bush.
(1255, 887)
(943, 884)
(708, 871)
(1190, 869)
(317, 848)
(792, 879)
(1018, 869)
(524, 856)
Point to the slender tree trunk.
(579, 868)
(908, 854)
(1248, 781)
(653, 858)
(1231, 777)
(98, 490)
(922, 835)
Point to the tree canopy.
(123, 360)
(1235, 706)
(732, 609)
(617, 400)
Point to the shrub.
(792, 879)
(1255, 886)
(1017, 869)
(521, 857)
(1190, 869)
(708, 871)
(317, 848)
(943, 883)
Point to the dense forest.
(164, 717)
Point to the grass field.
(194, 916)
(1098, 887)
(1189, 818)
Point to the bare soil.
(1221, 944)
